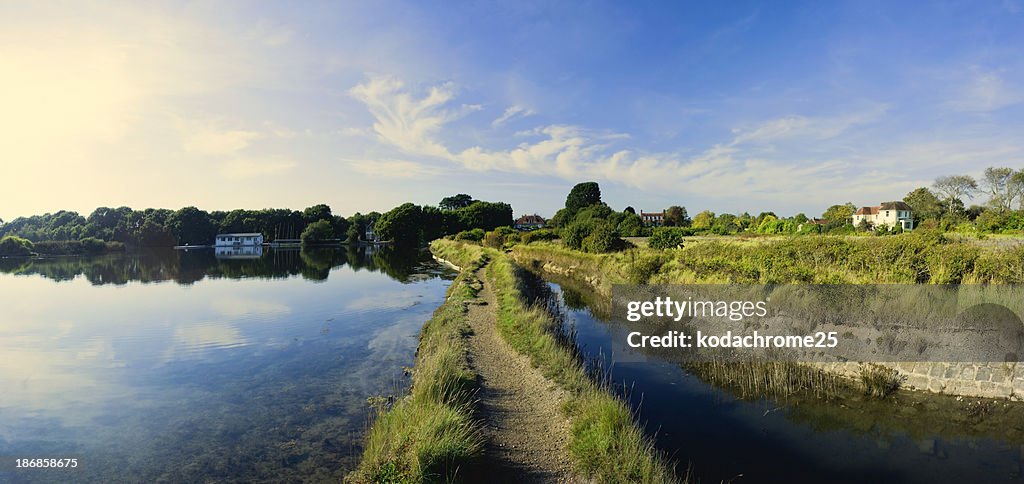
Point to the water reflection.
(240, 370)
(190, 266)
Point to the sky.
(727, 106)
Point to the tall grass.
(607, 444)
(778, 379)
(920, 257)
(430, 434)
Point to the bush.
(475, 235)
(601, 239)
(668, 237)
(11, 245)
(494, 239)
(538, 235)
(574, 233)
(644, 268)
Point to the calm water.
(910, 439)
(193, 366)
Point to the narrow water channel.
(723, 438)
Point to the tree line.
(407, 224)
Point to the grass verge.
(430, 434)
(607, 444)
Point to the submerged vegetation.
(430, 434)
(607, 444)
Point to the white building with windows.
(890, 214)
(238, 240)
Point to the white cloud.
(985, 91)
(409, 124)
(796, 127)
(512, 111)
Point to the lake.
(188, 366)
(910, 437)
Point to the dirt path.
(527, 434)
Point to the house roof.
(247, 234)
(530, 219)
(652, 214)
(897, 205)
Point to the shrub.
(574, 233)
(644, 268)
(880, 381)
(494, 239)
(601, 239)
(475, 235)
(538, 235)
(12, 245)
(668, 237)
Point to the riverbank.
(431, 434)
(606, 443)
(600, 272)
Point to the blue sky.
(728, 106)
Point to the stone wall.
(990, 380)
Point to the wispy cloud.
(410, 124)
(513, 111)
(985, 91)
(808, 128)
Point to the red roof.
(530, 219)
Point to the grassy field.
(920, 257)
(430, 434)
(607, 444)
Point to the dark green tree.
(676, 216)
(583, 195)
(456, 202)
(192, 226)
(318, 232)
(924, 205)
(403, 225)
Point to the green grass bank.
(430, 435)
(607, 443)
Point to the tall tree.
(840, 214)
(455, 202)
(955, 187)
(676, 216)
(583, 195)
(924, 204)
(403, 225)
(703, 220)
(1003, 185)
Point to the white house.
(238, 240)
(890, 214)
